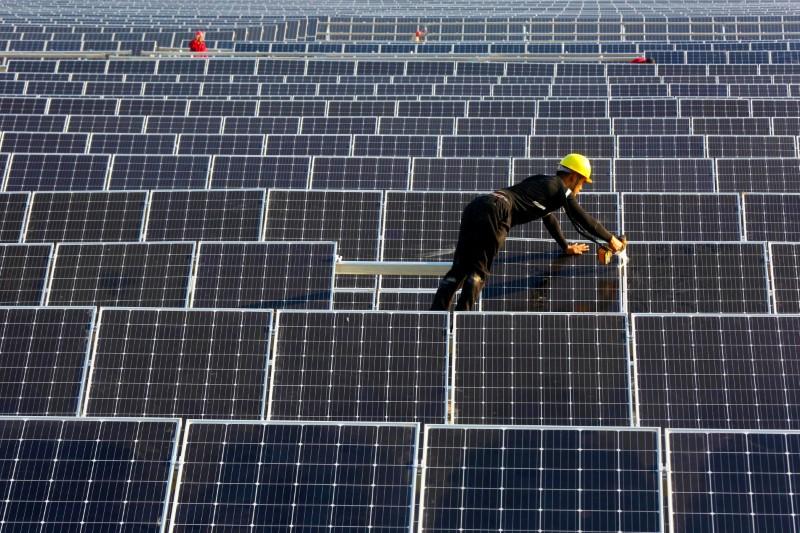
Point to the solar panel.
(682, 217)
(26, 106)
(534, 275)
(351, 218)
(639, 90)
(664, 146)
(172, 124)
(697, 277)
(94, 474)
(105, 124)
(222, 108)
(328, 67)
(290, 475)
(55, 88)
(272, 275)
(431, 109)
(107, 87)
(113, 143)
(360, 173)
(232, 66)
(181, 66)
(152, 107)
(13, 207)
(23, 273)
(133, 172)
(172, 89)
(216, 368)
(293, 89)
(62, 143)
(308, 145)
(573, 109)
(50, 172)
(521, 91)
(260, 172)
(339, 125)
(592, 146)
(527, 478)
(483, 146)
(459, 173)
(732, 480)
(528, 368)
(220, 144)
(590, 126)
(361, 109)
(715, 108)
(364, 366)
(216, 215)
(601, 170)
(260, 125)
(726, 126)
(39, 123)
(785, 266)
(653, 108)
(501, 108)
(299, 108)
(758, 175)
(414, 126)
(280, 66)
(86, 216)
(769, 217)
(698, 89)
(359, 300)
(121, 274)
(752, 146)
(716, 371)
(45, 353)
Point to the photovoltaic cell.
(785, 264)
(589, 126)
(704, 107)
(556, 146)
(195, 215)
(697, 278)
(360, 173)
(728, 126)
(48, 172)
(121, 274)
(535, 275)
(528, 368)
(732, 480)
(60, 143)
(717, 371)
(259, 125)
(360, 366)
(661, 146)
(758, 175)
(13, 207)
(298, 108)
(95, 474)
(304, 476)
(773, 146)
(222, 108)
(483, 146)
(460, 173)
(682, 217)
(653, 108)
(194, 125)
(362, 109)
(528, 478)
(351, 218)
(151, 144)
(23, 273)
(357, 300)
(86, 216)
(771, 217)
(216, 366)
(395, 146)
(133, 172)
(266, 275)
(45, 352)
(213, 144)
(501, 108)
(260, 172)
(308, 145)
(653, 126)
(105, 124)
(31, 123)
(664, 175)
(414, 126)
(572, 109)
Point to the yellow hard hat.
(578, 163)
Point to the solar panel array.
(179, 352)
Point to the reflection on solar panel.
(259, 172)
(133, 172)
(121, 274)
(360, 173)
(366, 366)
(72, 473)
(785, 265)
(256, 275)
(45, 352)
(12, 215)
(758, 175)
(697, 277)
(351, 218)
(86, 216)
(664, 175)
(541, 369)
(534, 275)
(524, 478)
(300, 476)
(717, 371)
(49, 172)
(682, 217)
(769, 217)
(216, 366)
(732, 480)
(23, 272)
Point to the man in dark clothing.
(487, 219)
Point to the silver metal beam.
(391, 268)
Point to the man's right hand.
(616, 244)
(576, 248)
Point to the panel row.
(364, 222)
(685, 371)
(529, 275)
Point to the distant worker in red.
(419, 35)
(198, 44)
(642, 59)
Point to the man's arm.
(584, 221)
(554, 228)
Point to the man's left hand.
(576, 248)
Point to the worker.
(486, 221)
(419, 35)
(642, 59)
(198, 44)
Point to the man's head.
(199, 36)
(575, 170)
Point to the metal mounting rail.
(391, 268)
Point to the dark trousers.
(485, 223)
